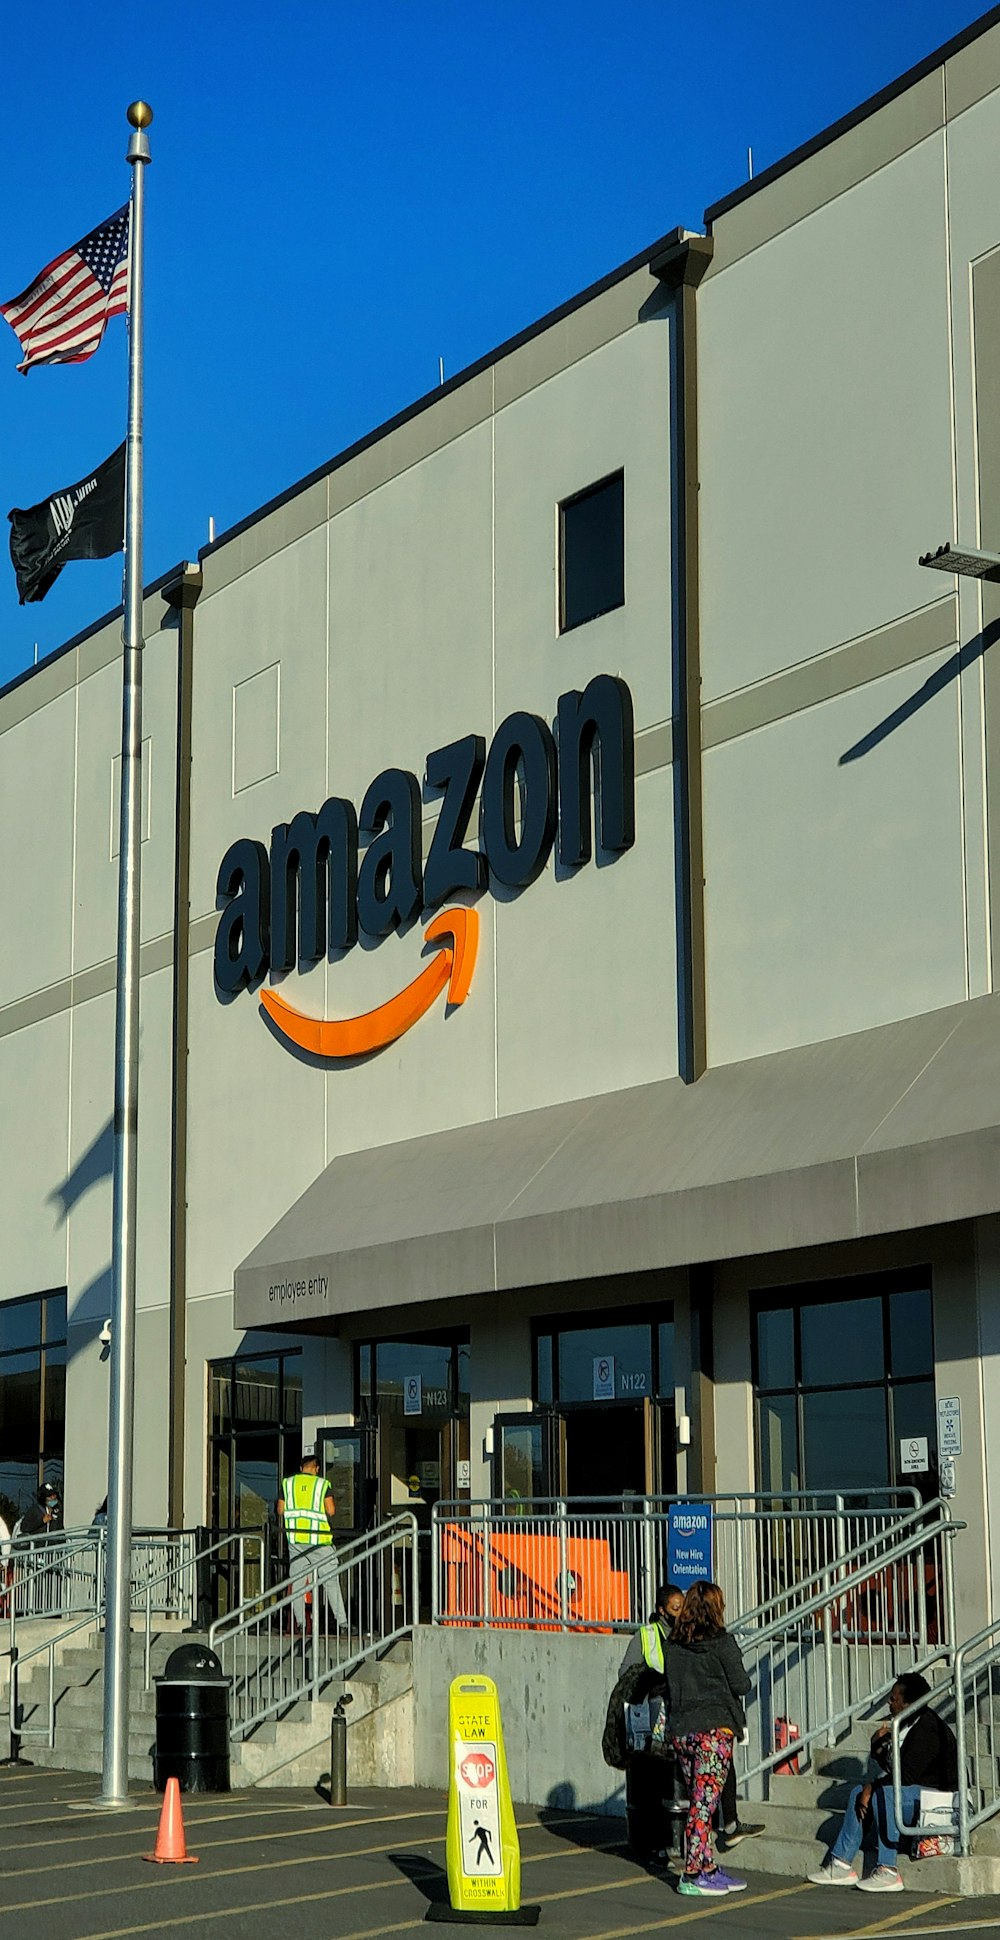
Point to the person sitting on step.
(928, 1756)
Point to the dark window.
(32, 1397)
(843, 1373)
(592, 552)
(426, 1376)
(637, 1354)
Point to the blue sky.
(343, 191)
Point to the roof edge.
(674, 239)
(854, 116)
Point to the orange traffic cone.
(170, 1844)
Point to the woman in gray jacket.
(706, 1683)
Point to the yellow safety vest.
(305, 1517)
(652, 1647)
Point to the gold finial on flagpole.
(139, 113)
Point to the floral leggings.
(704, 1759)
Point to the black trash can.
(192, 1722)
(655, 1808)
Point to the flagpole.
(117, 1636)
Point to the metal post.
(338, 1751)
(14, 1753)
(435, 1571)
(563, 1567)
(960, 1752)
(114, 1769)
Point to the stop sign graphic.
(477, 1769)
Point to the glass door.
(528, 1458)
(346, 1458)
(256, 1440)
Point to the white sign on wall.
(604, 1377)
(413, 1400)
(913, 1457)
(949, 1425)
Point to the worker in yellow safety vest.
(646, 1647)
(306, 1510)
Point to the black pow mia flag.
(84, 521)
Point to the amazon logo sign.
(331, 875)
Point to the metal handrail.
(268, 1674)
(200, 1556)
(971, 1660)
(844, 1582)
(867, 1551)
(142, 1598)
(20, 1657)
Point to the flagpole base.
(101, 1804)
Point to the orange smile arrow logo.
(351, 1037)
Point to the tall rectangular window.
(843, 1373)
(592, 552)
(32, 1398)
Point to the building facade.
(569, 1048)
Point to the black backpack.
(614, 1742)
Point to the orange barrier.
(521, 1572)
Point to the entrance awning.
(880, 1132)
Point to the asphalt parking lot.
(285, 1866)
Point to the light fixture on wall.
(964, 560)
(105, 1335)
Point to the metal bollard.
(338, 1751)
(16, 1715)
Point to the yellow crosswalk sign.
(484, 1854)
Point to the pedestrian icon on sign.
(483, 1849)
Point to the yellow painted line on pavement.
(897, 1919)
(296, 1832)
(196, 1818)
(952, 1926)
(408, 1926)
(936, 1905)
(240, 1912)
(697, 1913)
(263, 1866)
(210, 1845)
(129, 1830)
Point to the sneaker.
(885, 1879)
(741, 1830)
(732, 1884)
(834, 1872)
(710, 1885)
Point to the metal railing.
(342, 1608)
(575, 1564)
(825, 1652)
(62, 1576)
(176, 1588)
(63, 1573)
(43, 1733)
(969, 1700)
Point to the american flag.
(60, 318)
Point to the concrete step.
(87, 1758)
(797, 1839)
(291, 1749)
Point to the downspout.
(681, 267)
(181, 595)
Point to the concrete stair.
(291, 1750)
(802, 1815)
